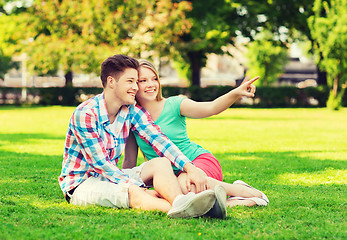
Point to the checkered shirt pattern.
(92, 148)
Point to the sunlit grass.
(328, 176)
(296, 156)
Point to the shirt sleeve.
(143, 124)
(85, 128)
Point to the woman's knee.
(160, 163)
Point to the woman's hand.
(246, 89)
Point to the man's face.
(126, 86)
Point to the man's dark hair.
(115, 65)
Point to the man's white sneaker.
(219, 209)
(192, 205)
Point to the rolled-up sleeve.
(143, 124)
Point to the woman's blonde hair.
(149, 65)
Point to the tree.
(216, 23)
(79, 35)
(293, 16)
(213, 26)
(329, 29)
(11, 18)
(5, 64)
(267, 59)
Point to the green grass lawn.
(296, 156)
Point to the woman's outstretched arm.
(192, 109)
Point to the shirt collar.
(104, 119)
(103, 110)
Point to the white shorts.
(100, 191)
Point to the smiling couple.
(99, 130)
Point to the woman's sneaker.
(263, 196)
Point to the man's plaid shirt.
(91, 148)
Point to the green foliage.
(266, 59)
(5, 64)
(79, 35)
(183, 69)
(12, 30)
(10, 39)
(296, 156)
(211, 28)
(292, 15)
(329, 29)
(217, 23)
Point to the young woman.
(169, 114)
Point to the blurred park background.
(51, 51)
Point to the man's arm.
(162, 145)
(84, 127)
(130, 152)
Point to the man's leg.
(140, 199)
(159, 172)
(99, 191)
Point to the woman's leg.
(232, 190)
(210, 165)
(245, 202)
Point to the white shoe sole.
(258, 201)
(197, 207)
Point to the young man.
(95, 140)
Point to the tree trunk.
(335, 86)
(196, 64)
(322, 77)
(68, 79)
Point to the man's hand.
(195, 176)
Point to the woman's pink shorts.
(210, 165)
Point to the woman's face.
(148, 85)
